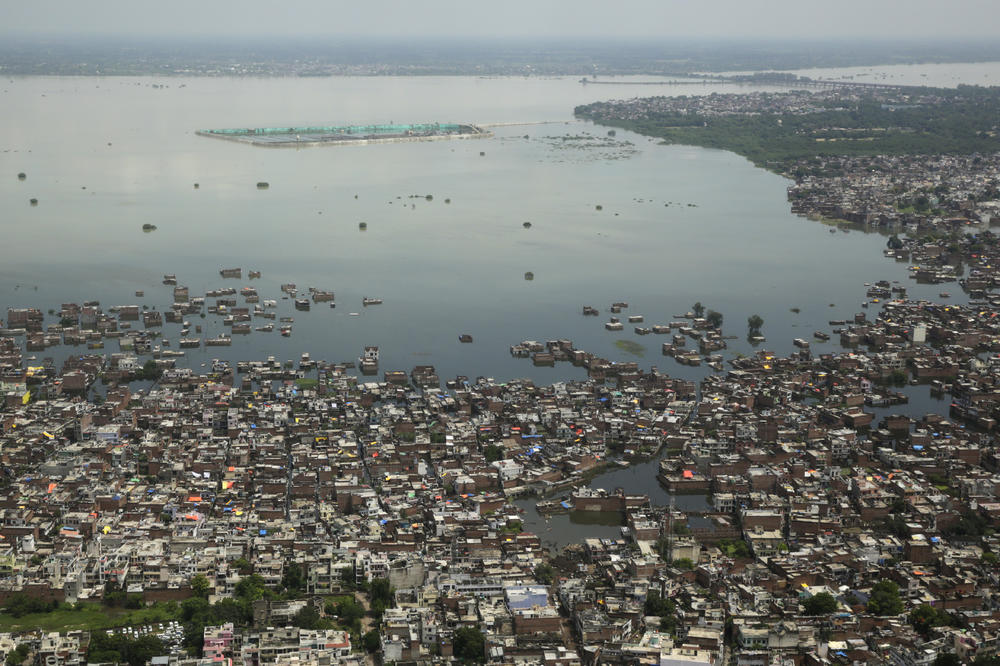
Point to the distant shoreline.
(118, 55)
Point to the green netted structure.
(305, 136)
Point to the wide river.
(676, 224)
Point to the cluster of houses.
(915, 193)
(797, 102)
(820, 495)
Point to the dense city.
(270, 514)
(829, 506)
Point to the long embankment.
(307, 137)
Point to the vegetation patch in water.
(631, 347)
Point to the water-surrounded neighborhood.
(831, 505)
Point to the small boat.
(354, 314)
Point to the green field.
(89, 617)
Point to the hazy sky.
(507, 18)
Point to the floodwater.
(937, 75)
(676, 224)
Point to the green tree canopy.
(371, 641)
(347, 609)
(946, 659)
(734, 548)
(253, 588)
(470, 645)
(884, 599)
(118, 649)
(293, 578)
(820, 604)
(200, 586)
(925, 617)
(308, 618)
(545, 573)
(493, 452)
(382, 591)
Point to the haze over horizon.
(643, 19)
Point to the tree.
(986, 660)
(120, 649)
(348, 610)
(252, 588)
(114, 595)
(946, 659)
(308, 618)
(17, 656)
(150, 370)
(657, 605)
(545, 573)
(493, 452)
(894, 243)
(470, 645)
(754, 322)
(193, 607)
(20, 604)
(684, 563)
(925, 617)
(884, 599)
(200, 586)
(664, 608)
(698, 309)
(382, 591)
(714, 319)
(371, 641)
(292, 578)
(734, 548)
(820, 604)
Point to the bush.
(20, 604)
